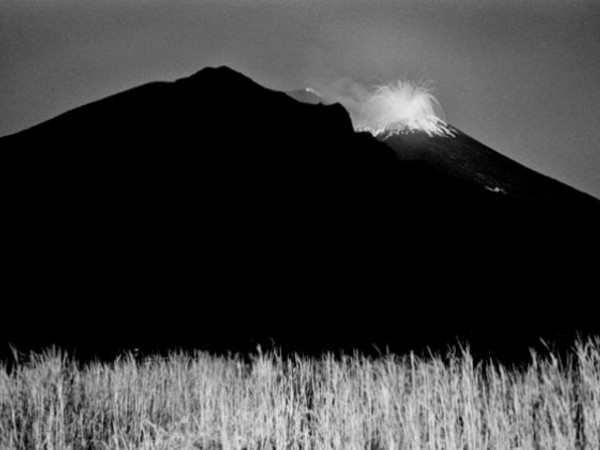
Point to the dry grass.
(209, 402)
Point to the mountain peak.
(220, 72)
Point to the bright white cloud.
(403, 107)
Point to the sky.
(522, 77)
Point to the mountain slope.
(463, 157)
(213, 212)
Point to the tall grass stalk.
(201, 401)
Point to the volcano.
(456, 154)
(214, 213)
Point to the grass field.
(347, 402)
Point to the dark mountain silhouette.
(214, 213)
(465, 158)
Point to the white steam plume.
(404, 107)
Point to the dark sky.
(523, 77)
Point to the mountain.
(460, 156)
(465, 158)
(214, 213)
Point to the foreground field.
(208, 402)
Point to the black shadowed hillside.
(211, 212)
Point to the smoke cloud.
(384, 110)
